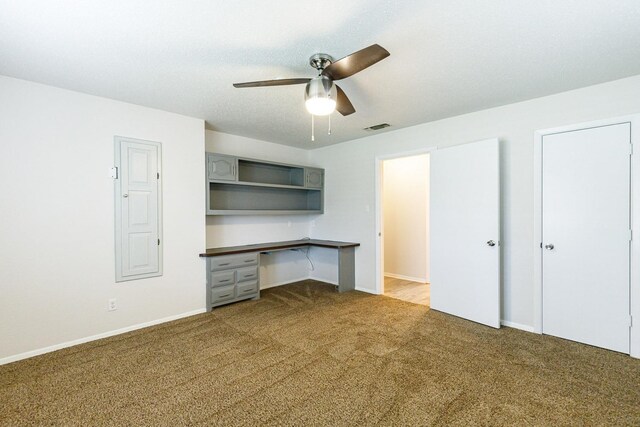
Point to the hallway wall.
(406, 217)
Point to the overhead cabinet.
(241, 186)
(221, 167)
(314, 178)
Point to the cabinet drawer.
(248, 273)
(247, 288)
(233, 261)
(223, 293)
(222, 278)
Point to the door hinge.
(158, 175)
(630, 321)
(158, 242)
(631, 149)
(113, 172)
(630, 235)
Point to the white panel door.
(137, 211)
(586, 235)
(465, 231)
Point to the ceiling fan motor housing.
(320, 61)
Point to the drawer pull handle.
(248, 275)
(226, 280)
(226, 263)
(248, 260)
(224, 296)
(247, 290)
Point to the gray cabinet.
(314, 177)
(222, 167)
(241, 186)
(232, 278)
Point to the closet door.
(586, 235)
(465, 231)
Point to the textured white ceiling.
(447, 57)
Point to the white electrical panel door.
(138, 209)
(465, 231)
(586, 235)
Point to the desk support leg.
(346, 269)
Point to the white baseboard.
(323, 280)
(55, 347)
(286, 282)
(331, 282)
(514, 325)
(335, 283)
(401, 277)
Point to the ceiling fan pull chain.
(313, 138)
(329, 125)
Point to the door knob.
(125, 195)
(549, 246)
(491, 243)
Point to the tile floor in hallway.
(406, 290)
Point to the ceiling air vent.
(377, 127)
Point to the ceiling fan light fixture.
(320, 96)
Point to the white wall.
(56, 205)
(405, 196)
(57, 230)
(278, 267)
(350, 177)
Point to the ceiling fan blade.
(357, 61)
(276, 82)
(343, 105)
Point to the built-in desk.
(232, 272)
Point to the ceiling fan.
(322, 95)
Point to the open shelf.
(236, 199)
(268, 173)
(261, 212)
(259, 184)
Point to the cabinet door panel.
(314, 178)
(221, 167)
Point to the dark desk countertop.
(271, 246)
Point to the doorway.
(463, 229)
(405, 213)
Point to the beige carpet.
(305, 355)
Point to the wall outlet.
(113, 305)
